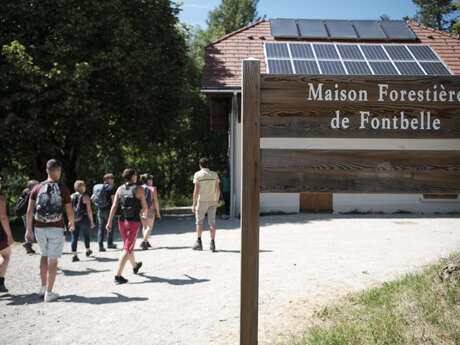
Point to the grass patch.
(416, 309)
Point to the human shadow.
(104, 259)
(189, 281)
(172, 248)
(81, 273)
(118, 298)
(21, 299)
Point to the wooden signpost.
(307, 106)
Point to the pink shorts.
(128, 231)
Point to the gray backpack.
(49, 206)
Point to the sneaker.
(197, 245)
(101, 249)
(89, 252)
(51, 296)
(112, 246)
(212, 246)
(42, 291)
(138, 266)
(75, 259)
(149, 245)
(144, 245)
(120, 280)
(28, 248)
(2, 285)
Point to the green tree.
(85, 78)
(438, 14)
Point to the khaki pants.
(204, 207)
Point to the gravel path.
(192, 298)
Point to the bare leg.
(44, 269)
(132, 260)
(213, 232)
(52, 269)
(122, 262)
(199, 230)
(5, 253)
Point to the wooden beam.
(250, 202)
(360, 171)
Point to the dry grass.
(417, 309)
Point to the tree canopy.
(439, 14)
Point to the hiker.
(81, 206)
(6, 240)
(131, 198)
(47, 202)
(21, 209)
(102, 198)
(153, 209)
(226, 191)
(206, 196)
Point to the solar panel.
(306, 67)
(325, 51)
(357, 67)
(350, 52)
(279, 66)
(332, 67)
(398, 53)
(424, 53)
(340, 29)
(397, 29)
(277, 50)
(383, 68)
(434, 68)
(311, 28)
(369, 29)
(301, 51)
(284, 28)
(374, 52)
(409, 68)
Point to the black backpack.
(49, 206)
(100, 196)
(129, 203)
(77, 206)
(20, 209)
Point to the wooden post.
(250, 202)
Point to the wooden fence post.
(250, 202)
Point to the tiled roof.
(223, 57)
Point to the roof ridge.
(236, 32)
(434, 30)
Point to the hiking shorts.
(51, 241)
(204, 207)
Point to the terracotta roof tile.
(223, 57)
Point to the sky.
(194, 12)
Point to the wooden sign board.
(360, 106)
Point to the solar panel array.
(352, 59)
(341, 29)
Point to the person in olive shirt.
(206, 196)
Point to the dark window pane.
(279, 67)
(306, 67)
(383, 68)
(325, 51)
(357, 67)
(277, 50)
(332, 67)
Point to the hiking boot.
(51, 296)
(28, 248)
(197, 245)
(138, 266)
(212, 246)
(144, 245)
(149, 245)
(112, 246)
(89, 252)
(2, 285)
(101, 249)
(75, 259)
(120, 280)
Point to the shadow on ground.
(153, 279)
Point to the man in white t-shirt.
(205, 200)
